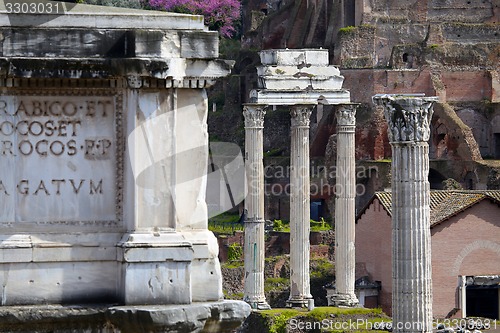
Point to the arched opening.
(436, 179)
(470, 181)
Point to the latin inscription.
(57, 155)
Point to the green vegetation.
(278, 319)
(316, 226)
(225, 223)
(347, 30)
(232, 264)
(273, 152)
(224, 228)
(234, 252)
(277, 283)
(433, 46)
(322, 268)
(229, 48)
(279, 225)
(320, 225)
(227, 217)
(451, 184)
(236, 296)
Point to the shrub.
(221, 15)
(234, 252)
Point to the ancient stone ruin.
(103, 155)
(299, 79)
(409, 118)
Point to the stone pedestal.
(300, 294)
(345, 210)
(104, 157)
(409, 118)
(254, 206)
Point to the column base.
(257, 305)
(306, 302)
(342, 300)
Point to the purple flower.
(221, 15)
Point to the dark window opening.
(482, 302)
(350, 12)
(497, 145)
(436, 180)
(405, 57)
(317, 209)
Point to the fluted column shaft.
(254, 248)
(345, 207)
(409, 119)
(300, 294)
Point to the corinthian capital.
(346, 114)
(254, 115)
(409, 117)
(301, 115)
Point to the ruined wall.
(449, 49)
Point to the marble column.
(254, 248)
(409, 118)
(345, 208)
(300, 294)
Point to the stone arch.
(470, 180)
(471, 247)
(480, 127)
(439, 140)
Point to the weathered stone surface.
(290, 57)
(345, 209)
(91, 16)
(300, 289)
(103, 111)
(254, 207)
(217, 317)
(409, 120)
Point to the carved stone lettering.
(59, 158)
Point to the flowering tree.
(221, 15)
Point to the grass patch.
(225, 224)
(278, 319)
(233, 264)
(320, 225)
(327, 312)
(271, 284)
(235, 296)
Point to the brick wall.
(466, 244)
(459, 86)
(373, 250)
